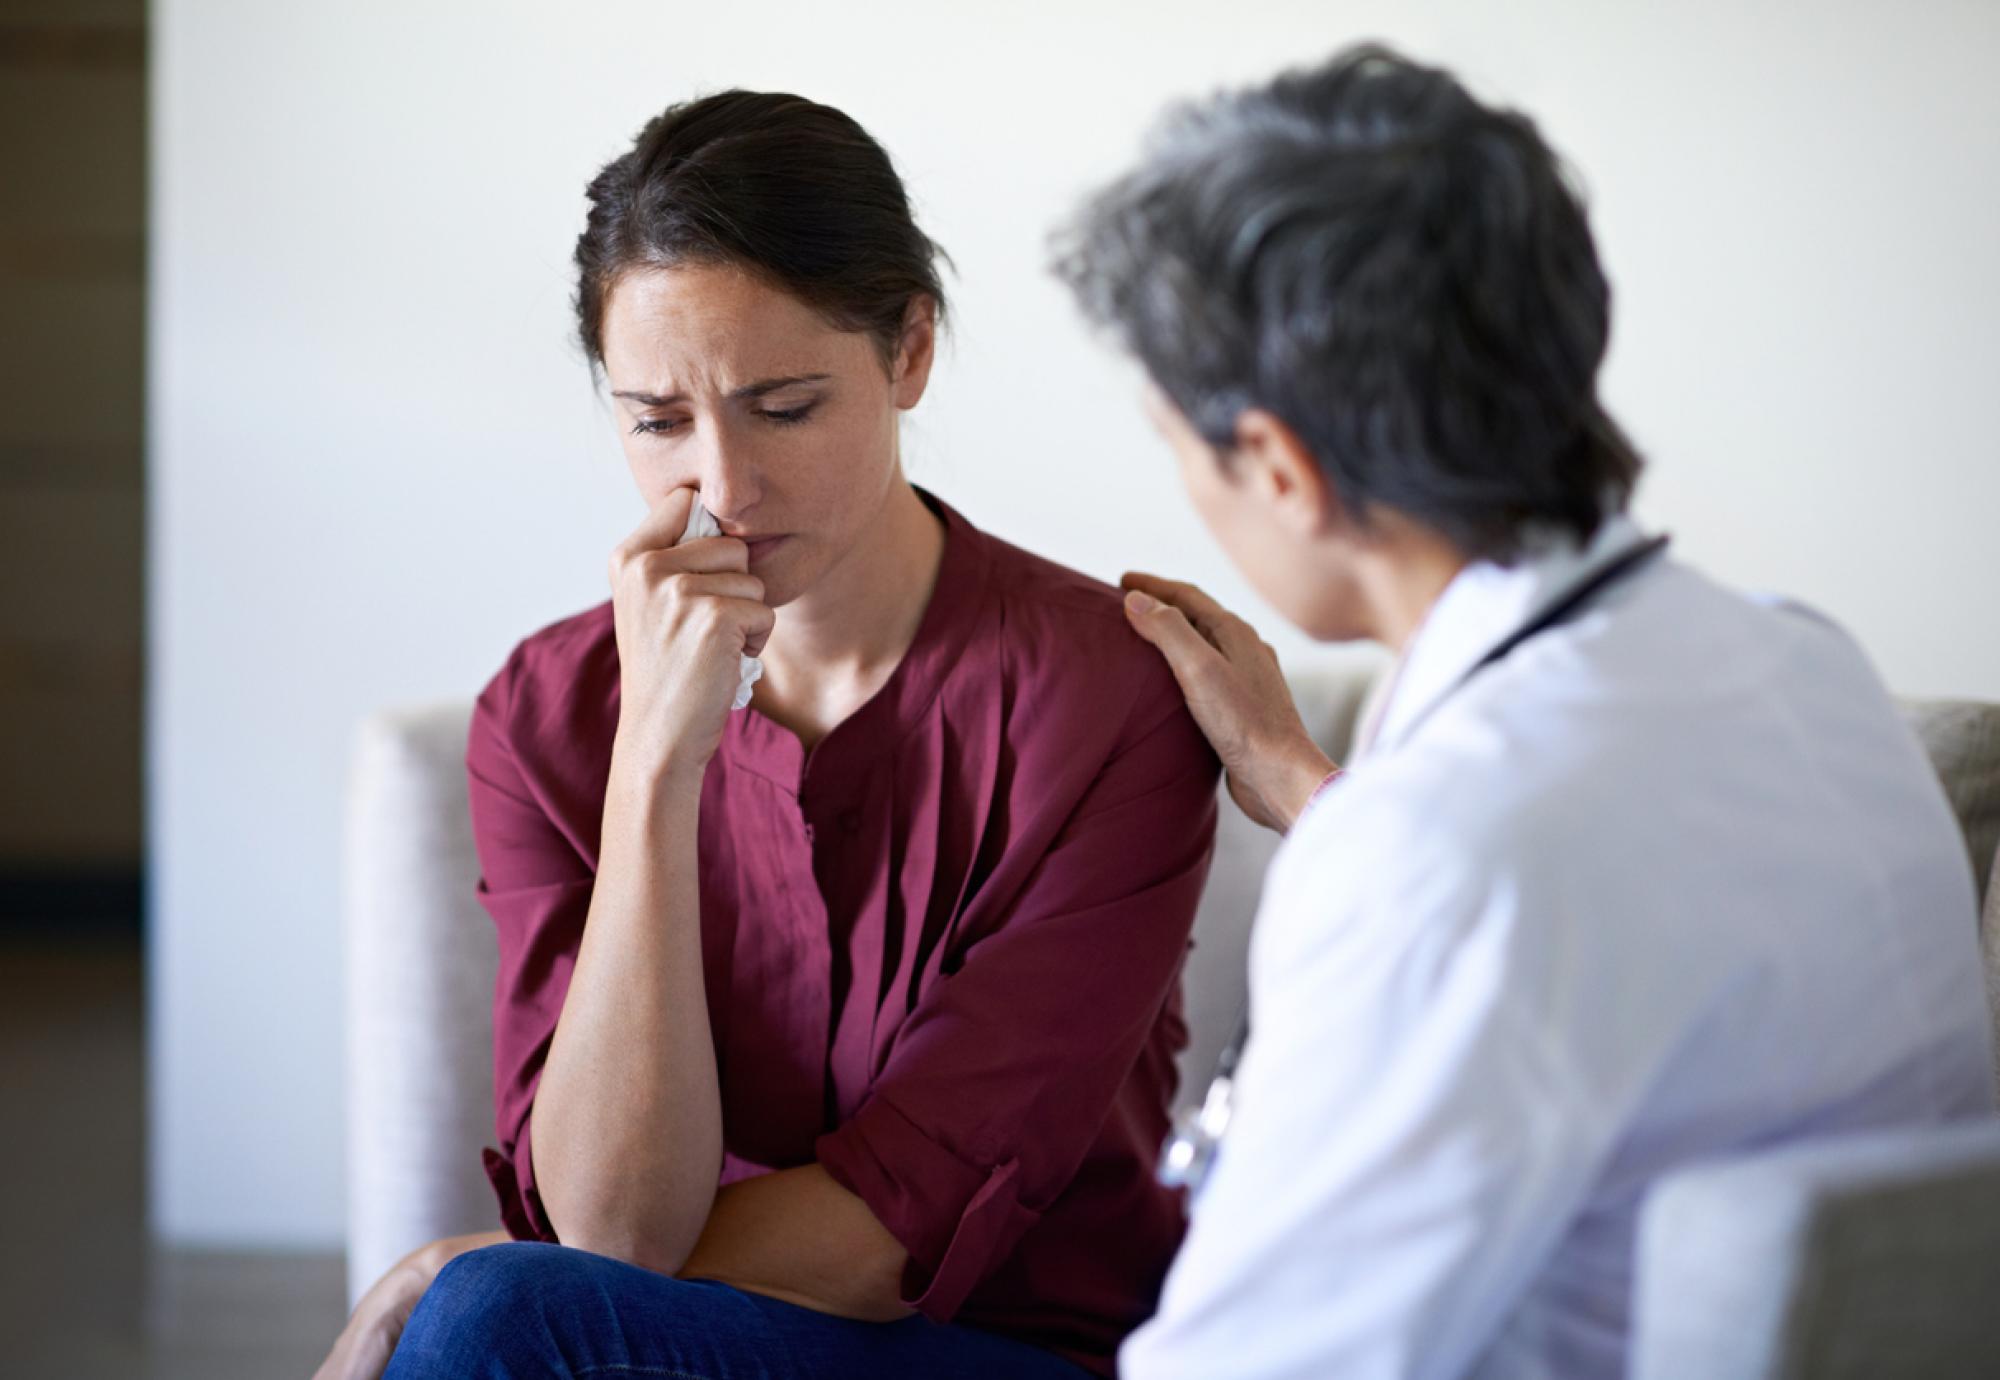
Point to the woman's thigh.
(530, 1309)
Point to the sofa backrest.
(421, 958)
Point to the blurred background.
(292, 429)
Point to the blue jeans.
(531, 1309)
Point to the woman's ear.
(1280, 471)
(916, 348)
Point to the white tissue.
(701, 523)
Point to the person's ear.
(1279, 469)
(916, 349)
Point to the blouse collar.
(840, 762)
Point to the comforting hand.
(363, 1348)
(1237, 694)
(685, 617)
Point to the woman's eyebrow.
(748, 390)
(763, 386)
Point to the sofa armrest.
(1858, 1255)
(420, 965)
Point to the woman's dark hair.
(1401, 274)
(776, 184)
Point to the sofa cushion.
(1963, 740)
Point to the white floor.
(83, 1294)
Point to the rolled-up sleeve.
(536, 887)
(1001, 1078)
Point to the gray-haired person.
(1630, 870)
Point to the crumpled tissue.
(702, 523)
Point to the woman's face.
(786, 425)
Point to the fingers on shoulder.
(1178, 665)
(1202, 610)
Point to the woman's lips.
(764, 546)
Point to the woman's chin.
(794, 568)
(781, 585)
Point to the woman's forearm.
(797, 1235)
(627, 1125)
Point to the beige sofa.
(1870, 1256)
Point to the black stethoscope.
(1190, 1148)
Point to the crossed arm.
(627, 1116)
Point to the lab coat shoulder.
(1412, 847)
(1406, 897)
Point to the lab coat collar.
(1480, 609)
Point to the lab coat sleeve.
(1410, 1140)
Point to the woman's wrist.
(1307, 772)
(651, 776)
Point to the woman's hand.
(1237, 695)
(685, 616)
(363, 1348)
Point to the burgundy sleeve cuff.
(957, 1220)
(513, 1180)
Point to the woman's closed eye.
(787, 416)
(670, 426)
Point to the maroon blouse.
(942, 949)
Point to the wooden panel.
(47, 13)
(69, 465)
(72, 564)
(72, 255)
(71, 673)
(72, 383)
(72, 147)
(72, 361)
(72, 47)
(70, 773)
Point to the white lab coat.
(1669, 881)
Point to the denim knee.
(496, 1279)
(477, 1300)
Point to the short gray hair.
(1403, 275)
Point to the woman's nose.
(730, 488)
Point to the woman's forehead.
(715, 327)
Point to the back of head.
(1400, 273)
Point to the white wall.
(376, 462)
